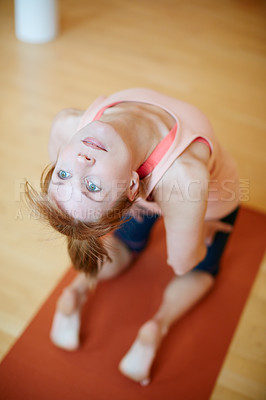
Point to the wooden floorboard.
(209, 53)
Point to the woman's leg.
(180, 295)
(66, 323)
(124, 245)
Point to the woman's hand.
(211, 227)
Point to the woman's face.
(92, 172)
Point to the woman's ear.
(134, 186)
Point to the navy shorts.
(135, 235)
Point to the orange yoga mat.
(190, 357)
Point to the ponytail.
(87, 255)
(85, 239)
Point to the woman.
(139, 154)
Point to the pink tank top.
(157, 154)
(191, 125)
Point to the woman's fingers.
(209, 239)
(223, 227)
(216, 226)
(211, 227)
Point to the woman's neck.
(140, 126)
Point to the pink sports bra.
(157, 154)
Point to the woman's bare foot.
(136, 364)
(66, 323)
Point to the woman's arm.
(64, 126)
(183, 201)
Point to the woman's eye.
(92, 187)
(63, 174)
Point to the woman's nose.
(85, 160)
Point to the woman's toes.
(66, 323)
(65, 330)
(136, 364)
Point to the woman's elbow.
(182, 266)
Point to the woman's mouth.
(93, 143)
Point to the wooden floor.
(210, 53)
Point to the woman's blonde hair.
(85, 239)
